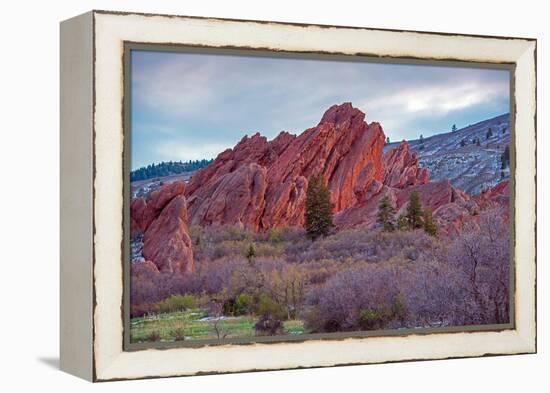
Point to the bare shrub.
(338, 305)
(178, 334)
(154, 336)
(481, 254)
(268, 326)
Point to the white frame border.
(111, 30)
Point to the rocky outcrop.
(236, 198)
(144, 212)
(343, 148)
(162, 220)
(496, 196)
(401, 168)
(166, 242)
(260, 184)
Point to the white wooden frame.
(92, 194)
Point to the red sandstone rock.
(260, 184)
(143, 212)
(450, 207)
(145, 268)
(138, 206)
(494, 196)
(236, 198)
(255, 149)
(364, 213)
(342, 147)
(401, 168)
(162, 218)
(166, 240)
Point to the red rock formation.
(144, 268)
(494, 196)
(401, 168)
(342, 147)
(138, 206)
(450, 207)
(255, 149)
(166, 241)
(143, 212)
(162, 219)
(236, 198)
(260, 184)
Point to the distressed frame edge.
(528, 340)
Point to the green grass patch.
(195, 325)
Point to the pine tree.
(453, 129)
(414, 211)
(506, 157)
(251, 253)
(429, 225)
(489, 133)
(318, 215)
(386, 214)
(462, 143)
(388, 140)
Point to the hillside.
(458, 157)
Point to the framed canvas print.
(247, 195)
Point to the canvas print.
(288, 197)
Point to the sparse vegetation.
(298, 286)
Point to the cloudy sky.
(190, 106)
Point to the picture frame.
(94, 188)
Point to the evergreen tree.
(251, 253)
(318, 215)
(462, 143)
(414, 211)
(506, 156)
(388, 140)
(421, 141)
(489, 133)
(429, 225)
(167, 168)
(386, 214)
(453, 129)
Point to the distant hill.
(167, 169)
(471, 157)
